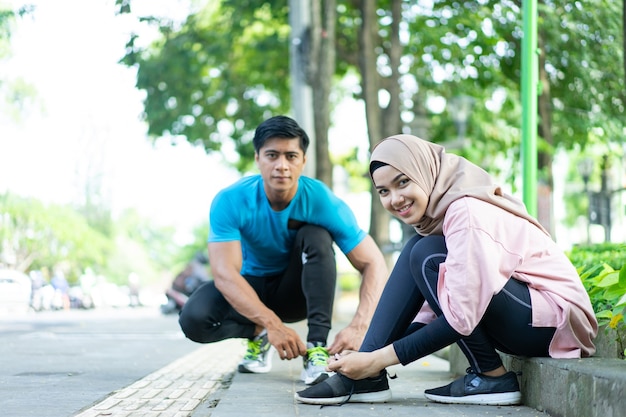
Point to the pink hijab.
(444, 178)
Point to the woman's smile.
(404, 210)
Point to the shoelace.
(254, 349)
(394, 376)
(318, 356)
(343, 402)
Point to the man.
(272, 260)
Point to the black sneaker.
(339, 389)
(478, 389)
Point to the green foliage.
(226, 68)
(15, 93)
(40, 236)
(358, 176)
(349, 282)
(218, 76)
(140, 247)
(474, 48)
(582, 82)
(197, 246)
(602, 269)
(8, 17)
(35, 236)
(588, 256)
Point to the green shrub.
(602, 269)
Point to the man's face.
(281, 162)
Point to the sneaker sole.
(243, 369)
(504, 398)
(366, 397)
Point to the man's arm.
(225, 260)
(366, 258)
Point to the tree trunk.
(380, 122)
(391, 115)
(370, 84)
(321, 67)
(545, 211)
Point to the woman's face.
(399, 195)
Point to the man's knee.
(194, 327)
(191, 326)
(314, 233)
(316, 239)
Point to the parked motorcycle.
(186, 282)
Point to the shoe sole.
(504, 398)
(261, 369)
(366, 397)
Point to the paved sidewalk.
(205, 383)
(272, 395)
(177, 389)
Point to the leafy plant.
(606, 285)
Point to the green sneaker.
(258, 357)
(315, 363)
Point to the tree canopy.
(226, 68)
(214, 78)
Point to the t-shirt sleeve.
(223, 220)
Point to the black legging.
(306, 290)
(506, 325)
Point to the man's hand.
(286, 341)
(349, 338)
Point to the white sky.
(86, 118)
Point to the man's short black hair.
(279, 127)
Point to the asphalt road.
(55, 363)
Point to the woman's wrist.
(385, 357)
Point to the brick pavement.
(177, 389)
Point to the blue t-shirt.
(242, 212)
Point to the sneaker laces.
(342, 402)
(317, 356)
(254, 349)
(352, 392)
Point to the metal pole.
(605, 195)
(586, 180)
(301, 92)
(530, 84)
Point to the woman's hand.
(359, 365)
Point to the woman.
(488, 270)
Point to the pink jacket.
(486, 246)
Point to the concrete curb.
(590, 387)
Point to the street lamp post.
(605, 199)
(586, 167)
(599, 201)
